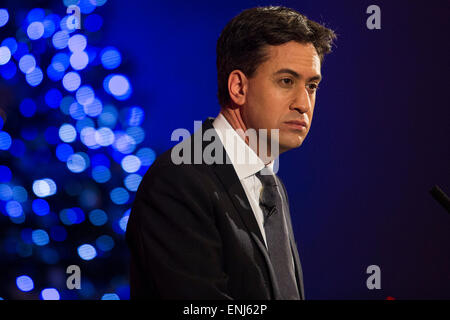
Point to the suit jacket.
(193, 235)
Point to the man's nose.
(302, 102)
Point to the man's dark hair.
(241, 44)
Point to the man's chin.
(289, 146)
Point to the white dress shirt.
(236, 148)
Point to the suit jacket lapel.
(226, 173)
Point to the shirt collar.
(244, 159)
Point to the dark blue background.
(359, 185)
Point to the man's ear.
(237, 87)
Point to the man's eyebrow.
(297, 76)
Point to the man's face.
(283, 89)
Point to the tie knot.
(267, 178)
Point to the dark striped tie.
(277, 237)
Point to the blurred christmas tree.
(70, 155)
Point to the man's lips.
(297, 124)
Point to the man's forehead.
(293, 55)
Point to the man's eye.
(286, 82)
(312, 86)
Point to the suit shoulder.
(183, 175)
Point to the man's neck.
(234, 118)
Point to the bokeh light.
(5, 55)
(60, 39)
(44, 188)
(8, 71)
(79, 60)
(53, 98)
(36, 14)
(60, 62)
(40, 207)
(101, 174)
(131, 163)
(85, 95)
(4, 17)
(24, 283)
(20, 194)
(76, 163)
(86, 6)
(68, 138)
(124, 220)
(124, 143)
(5, 140)
(94, 108)
(5, 192)
(110, 296)
(71, 81)
(49, 294)
(87, 136)
(34, 77)
(14, 209)
(119, 195)
(132, 182)
(35, 30)
(50, 23)
(93, 22)
(118, 86)
(110, 58)
(27, 63)
(76, 111)
(27, 107)
(98, 217)
(87, 252)
(67, 133)
(147, 156)
(137, 133)
(105, 243)
(77, 43)
(5, 174)
(40, 237)
(104, 136)
(11, 43)
(63, 151)
(135, 116)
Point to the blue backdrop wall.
(358, 187)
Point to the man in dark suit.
(222, 229)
